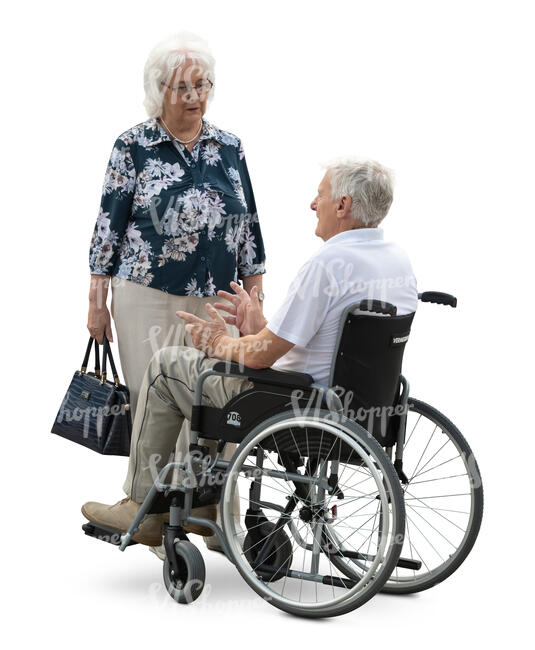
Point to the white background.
(439, 91)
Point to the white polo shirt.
(349, 267)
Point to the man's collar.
(357, 234)
(155, 134)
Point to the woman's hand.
(205, 334)
(99, 322)
(245, 310)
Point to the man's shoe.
(213, 544)
(120, 515)
(159, 551)
(208, 512)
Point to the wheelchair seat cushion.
(266, 375)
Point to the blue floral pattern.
(179, 221)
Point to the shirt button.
(202, 259)
(200, 186)
(193, 165)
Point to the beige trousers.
(146, 321)
(161, 425)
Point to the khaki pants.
(146, 321)
(161, 425)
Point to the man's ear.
(344, 206)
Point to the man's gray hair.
(369, 185)
(165, 58)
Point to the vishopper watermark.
(312, 404)
(194, 470)
(99, 285)
(182, 80)
(338, 277)
(159, 595)
(159, 337)
(169, 215)
(217, 351)
(96, 417)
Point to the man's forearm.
(247, 351)
(254, 350)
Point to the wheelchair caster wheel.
(279, 557)
(186, 582)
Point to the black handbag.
(95, 412)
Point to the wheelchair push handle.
(438, 298)
(378, 306)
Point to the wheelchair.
(334, 493)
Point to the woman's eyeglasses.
(201, 88)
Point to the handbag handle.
(86, 358)
(106, 354)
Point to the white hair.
(369, 184)
(165, 58)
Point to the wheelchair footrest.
(281, 572)
(104, 533)
(402, 563)
(406, 563)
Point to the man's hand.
(245, 310)
(205, 334)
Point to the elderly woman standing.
(177, 219)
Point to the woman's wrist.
(98, 291)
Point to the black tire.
(456, 559)
(281, 558)
(188, 585)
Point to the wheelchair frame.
(182, 496)
(179, 515)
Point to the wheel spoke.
(441, 478)
(301, 565)
(438, 513)
(439, 465)
(410, 436)
(441, 520)
(423, 453)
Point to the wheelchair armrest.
(266, 375)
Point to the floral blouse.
(179, 221)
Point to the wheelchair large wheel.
(301, 474)
(443, 503)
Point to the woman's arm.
(250, 281)
(98, 318)
(251, 254)
(110, 228)
(115, 210)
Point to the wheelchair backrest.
(366, 369)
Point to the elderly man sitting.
(354, 263)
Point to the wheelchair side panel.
(244, 411)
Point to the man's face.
(326, 211)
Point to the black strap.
(97, 360)
(97, 357)
(106, 354)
